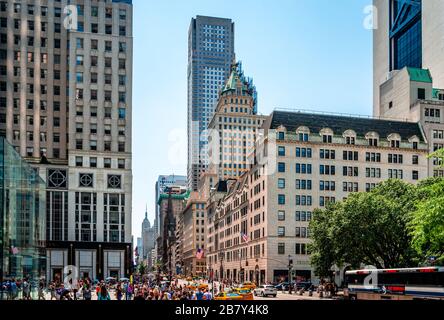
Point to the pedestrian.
(52, 290)
(129, 292)
(9, 290)
(119, 292)
(98, 287)
(86, 291)
(26, 290)
(41, 290)
(207, 295)
(199, 294)
(103, 294)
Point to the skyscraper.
(210, 54)
(234, 126)
(65, 105)
(409, 68)
(409, 33)
(148, 240)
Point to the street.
(286, 296)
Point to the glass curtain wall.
(22, 223)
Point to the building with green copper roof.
(182, 196)
(420, 75)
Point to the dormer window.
(281, 135)
(327, 138)
(395, 143)
(373, 139)
(350, 140)
(350, 137)
(303, 134)
(394, 140)
(373, 142)
(303, 137)
(327, 135)
(415, 142)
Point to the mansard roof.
(339, 124)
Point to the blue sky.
(302, 54)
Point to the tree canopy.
(393, 226)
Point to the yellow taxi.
(189, 279)
(245, 293)
(228, 296)
(195, 286)
(248, 285)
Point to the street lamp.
(290, 267)
(221, 257)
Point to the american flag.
(199, 254)
(245, 237)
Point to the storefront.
(95, 261)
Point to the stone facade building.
(234, 127)
(303, 162)
(66, 105)
(194, 236)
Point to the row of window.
(330, 170)
(57, 11)
(86, 180)
(304, 216)
(350, 140)
(346, 155)
(347, 186)
(300, 232)
(107, 145)
(107, 163)
(300, 249)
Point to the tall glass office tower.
(407, 33)
(210, 54)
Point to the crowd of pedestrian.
(123, 290)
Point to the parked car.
(283, 286)
(265, 290)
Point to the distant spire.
(146, 211)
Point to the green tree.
(321, 248)
(142, 268)
(427, 225)
(367, 228)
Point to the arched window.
(327, 135)
(372, 138)
(394, 140)
(349, 137)
(303, 134)
(280, 133)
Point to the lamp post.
(290, 267)
(240, 266)
(221, 257)
(99, 276)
